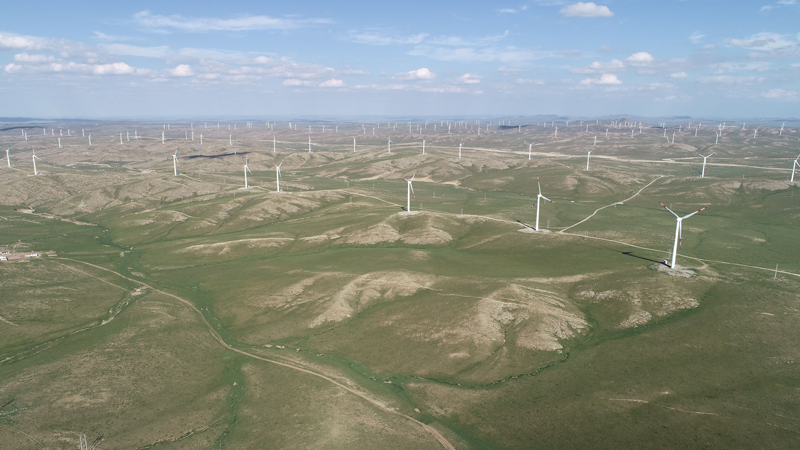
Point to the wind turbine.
(8, 160)
(390, 146)
(278, 175)
(678, 230)
(459, 150)
(530, 148)
(246, 169)
(704, 163)
(175, 163)
(588, 157)
(538, 200)
(35, 172)
(354, 144)
(795, 165)
(410, 192)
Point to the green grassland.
(188, 312)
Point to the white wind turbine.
(390, 146)
(278, 175)
(246, 169)
(538, 200)
(175, 163)
(795, 165)
(702, 175)
(8, 160)
(34, 163)
(588, 157)
(410, 191)
(678, 230)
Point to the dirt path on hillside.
(613, 204)
(222, 342)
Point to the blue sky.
(294, 58)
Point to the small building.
(32, 255)
(3, 258)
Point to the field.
(188, 311)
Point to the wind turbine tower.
(795, 165)
(678, 230)
(410, 192)
(35, 172)
(538, 201)
(175, 163)
(246, 169)
(278, 176)
(702, 175)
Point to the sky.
(200, 59)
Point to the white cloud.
(512, 10)
(374, 38)
(419, 74)
(206, 24)
(640, 58)
(606, 78)
(8, 42)
(469, 54)
(457, 41)
(99, 35)
(510, 70)
(182, 70)
(530, 81)
(781, 94)
(469, 78)
(589, 9)
(727, 79)
(296, 82)
(24, 57)
(762, 41)
(382, 87)
(262, 60)
(696, 37)
(678, 75)
(601, 67)
(413, 87)
(119, 68)
(133, 50)
(332, 83)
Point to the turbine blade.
(412, 190)
(665, 207)
(547, 199)
(540, 185)
(690, 215)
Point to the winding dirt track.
(613, 204)
(222, 342)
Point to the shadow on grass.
(641, 257)
(525, 224)
(216, 156)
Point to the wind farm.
(433, 319)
